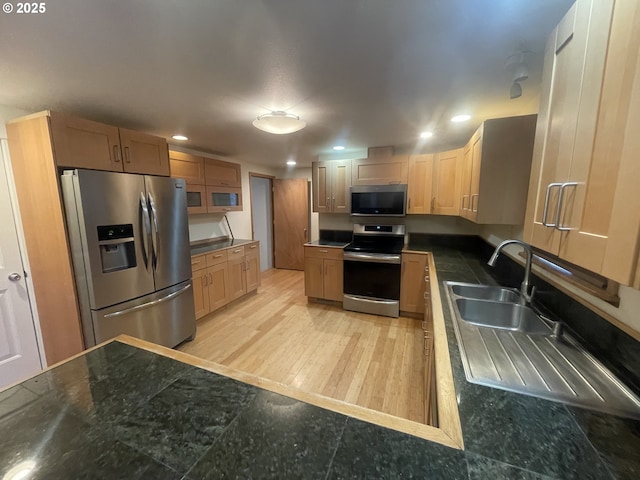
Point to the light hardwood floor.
(374, 362)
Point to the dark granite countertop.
(124, 412)
(200, 247)
(326, 243)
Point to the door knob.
(14, 277)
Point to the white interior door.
(19, 356)
(262, 217)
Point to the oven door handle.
(372, 258)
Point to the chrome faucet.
(525, 295)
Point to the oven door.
(372, 283)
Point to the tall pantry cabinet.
(583, 203)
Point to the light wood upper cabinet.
(447, 170)
(81, 143)
(412, 282)
(583, 204)
(144, 153)
(380, 170)
(222, 174)
(331, 181)
(420, 184)
(495, 173)
(187, 166)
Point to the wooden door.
(341, 186)
(81, 143)
(291, 222)
(314, 277)
(220, 286)
(222, 174)
(252, 259)
(412, 285)
(446, 186)
(419, 187)
(237, 277)
(201, 292)
(573, 65)
(19, 354)
(321, 186)
(189, 167)
(333, 279)
(143, 153)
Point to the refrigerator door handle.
(149, 304)
(146, 227)
(154, 231)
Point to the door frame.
(271, 178)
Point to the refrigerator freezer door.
(109, 235)
(166, 317)
(171, 257)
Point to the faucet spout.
(526, 296)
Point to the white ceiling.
(359, 72)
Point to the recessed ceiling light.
(179, 137)
(461, 118)
(291, 162)
(426, 135)
(338, 147)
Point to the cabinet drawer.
(252, 247)
(323, 252)
(235, 252)
(217, 257)
(198, 263)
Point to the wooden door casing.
(291, 222)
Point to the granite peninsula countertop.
(124, 412)
(205, 246)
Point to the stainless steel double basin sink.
(510, 346)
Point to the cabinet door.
(476, 165)
(465, 186)
(314, 277)
(252, 259)
(573, 70)
(144, 153)
(201, 292)
(333, 279)
(380, 171)
(189, 167)
(223, 199)
(412, 282)
(222, 174)
(237, 277)
(420, 183)
(196, 199)
(219, 286)
(340, 186)
(321, 186)
(446, 182)
(81, 143)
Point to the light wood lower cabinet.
(413, 282)
(224, 275)
(323, 273)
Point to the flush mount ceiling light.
(179, 137)
(279, 123)
(517, 66)
(460, 118)
(426, 135)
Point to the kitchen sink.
(506, 316)
(486, 292)
(508, 346)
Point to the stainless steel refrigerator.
(130, 247)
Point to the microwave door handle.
(145, 226)
(154, 231)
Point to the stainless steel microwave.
(379, 200)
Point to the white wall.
(627, 312)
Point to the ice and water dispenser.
(117, 247)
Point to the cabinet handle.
(224, 183)
(205, 280)
(305, 235)
(545, 210)
(463, 197)
(236, 250)
(127, 158)
(323, 250)
(226, 209)
(560, 202)
(426, 278)
(409, 204)
(210, 278)
(116, 153)
(433, 203)
(254, 246)
(426, 269)
(217, 256)
(477, 197)
(333, 205)
(329, 203)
